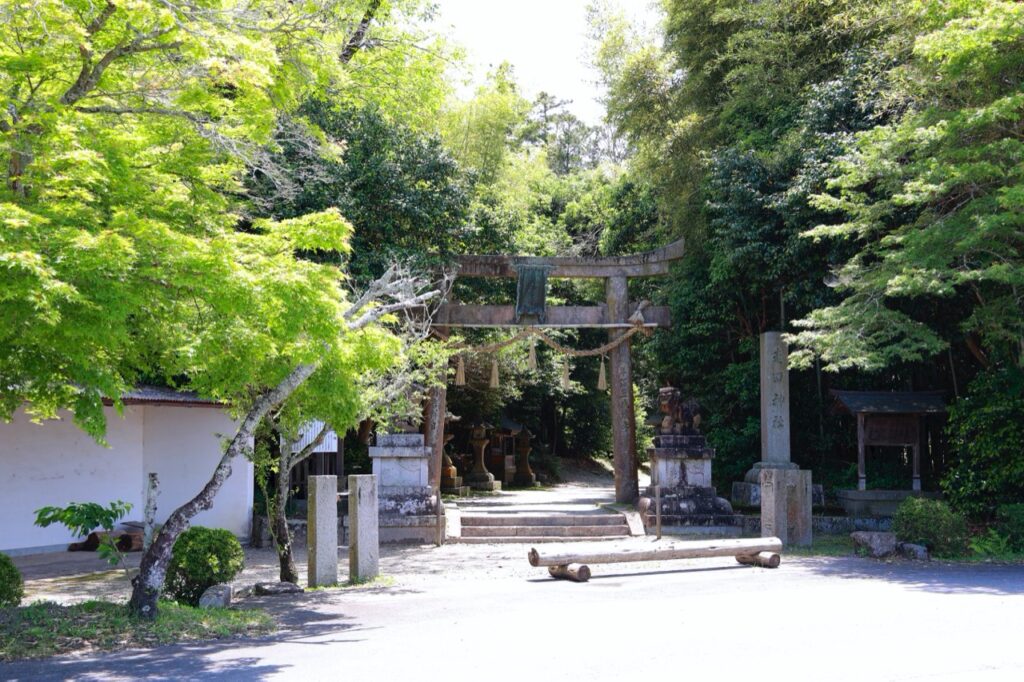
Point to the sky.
(545, 40)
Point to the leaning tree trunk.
(282, 534)
(146, 586)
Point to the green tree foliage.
(480, 132)
(933, 199)
(986, 429)
(127, 130)
(404, 193)
(81, 518)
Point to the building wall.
(183, 445)
(54, 463)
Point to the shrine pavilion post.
(617, 315)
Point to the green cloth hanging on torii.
(531, 291)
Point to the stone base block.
(485, 485)
(691, 500)
(459, 491)
(749, 495)
(786, 506)
(406, 500)
(417, 529)
(525, 480)
(754, 475)
(451, 482)
(699, 531)
(876, 503)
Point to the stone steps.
(555, 519)
(529, 540)
(482, 527)
(543, 531)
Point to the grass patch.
(824, 545)
(47, 629)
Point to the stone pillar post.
(322, 531)
(364, 538)
(786, 506)
(627, 487)
(775, 452)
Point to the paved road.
(812, 619)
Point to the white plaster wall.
(183, 445)
(54, 463)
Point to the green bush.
(202, 558)
(12, 589)
(1010, 522)
(986, 435)
(933, 524)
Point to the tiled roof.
(161, 394)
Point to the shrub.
(933, 524)
(202, 558)
(1010, 522)
(986, 430)
(12, 589)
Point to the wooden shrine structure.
(890, 419)
(617, 314)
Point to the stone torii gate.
(618, 315)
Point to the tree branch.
(358, 37)
(90, 75)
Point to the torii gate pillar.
(623, 415)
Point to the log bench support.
(763, 552)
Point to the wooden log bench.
(762, 552)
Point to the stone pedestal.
(524, 475)
(364, 537)
(681, 468)
(451, 482)
(401, 462)
(786, 506)
(480, 478)
(322, 530)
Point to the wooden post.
(657, 509)
(627, 486)
(916, 486)
(862, 483)
(434, 413)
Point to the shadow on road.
(943, 578)
(301, 621)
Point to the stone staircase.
(494, 527)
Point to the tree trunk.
(282, 535)
(146, 586)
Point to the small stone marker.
(322, 529)
(364, 538)
(786, 505)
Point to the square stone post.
(322, 530)
(786, 506)
(627, 486)
(364, 538)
